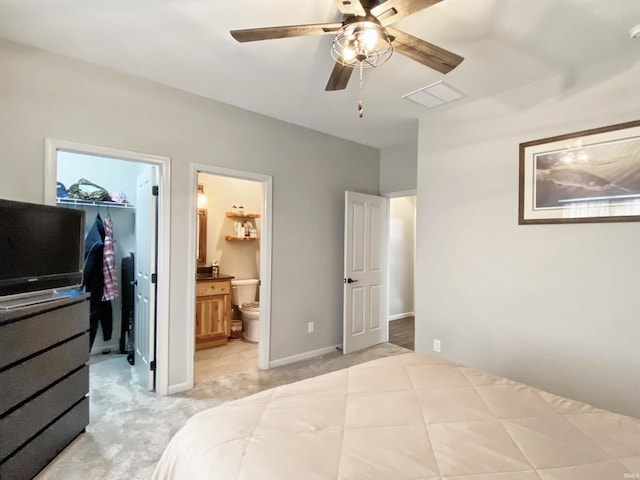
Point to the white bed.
(410, 416)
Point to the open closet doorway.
(402, 222)
(120, 193)
(231, 264)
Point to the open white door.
(365, 276)
(145, 268)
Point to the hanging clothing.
(110, 289)
(93, 281)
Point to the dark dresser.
(44, 383)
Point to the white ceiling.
(186, 44)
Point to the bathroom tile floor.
(235, 357)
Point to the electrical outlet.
(436, 345)
(310, 327)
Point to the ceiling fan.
(364, 38)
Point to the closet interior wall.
(113, 175)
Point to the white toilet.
(244, 296)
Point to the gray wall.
(45, 95)
(555, 306)
(398, 166)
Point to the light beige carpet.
(130, 427)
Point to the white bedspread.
(410, 416)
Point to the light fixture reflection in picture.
(202, 198)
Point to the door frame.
(163, 164)
(264, 344)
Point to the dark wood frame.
(591, 138)
(201, 250)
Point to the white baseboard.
(401, 315)
(177, 388)
(303, 356)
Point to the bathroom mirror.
(201, 236)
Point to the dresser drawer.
(204, 289)
(24, 422)
(30, 335)
(34, 456)
(29, 377)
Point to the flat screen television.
(41, 248)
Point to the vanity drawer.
(204, 289)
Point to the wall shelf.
(242, 215)
(231, 237)
(73, 202)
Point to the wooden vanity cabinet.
(213, 312)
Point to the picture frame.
(201, 237)
(581, 177)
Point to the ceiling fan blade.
(351, 7)
(393, 10)
(254, 34)
(423, 52)
(339, 77)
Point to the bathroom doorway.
(231, 261)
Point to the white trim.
(163, 164)
(265, 262)
(401, 315)
(403, 193)
(304, 356)
(178, 387)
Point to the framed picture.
(588, 176)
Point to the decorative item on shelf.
(243, 215)
(234, 210)
(253, 233)
(202, 198)
(240, 210)
(247, 228)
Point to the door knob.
(351, 280)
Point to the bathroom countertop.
(207, 277)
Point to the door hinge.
(154, 190)
(152, 366)
(154, 278)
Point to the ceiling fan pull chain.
(360, 108)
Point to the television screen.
(41, 247)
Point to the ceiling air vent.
(435, 94)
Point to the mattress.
(410, 416)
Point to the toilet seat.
(251, 306)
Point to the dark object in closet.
(93, 281)
(128, 295)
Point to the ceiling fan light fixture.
(361, 42)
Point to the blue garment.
(93, 281)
